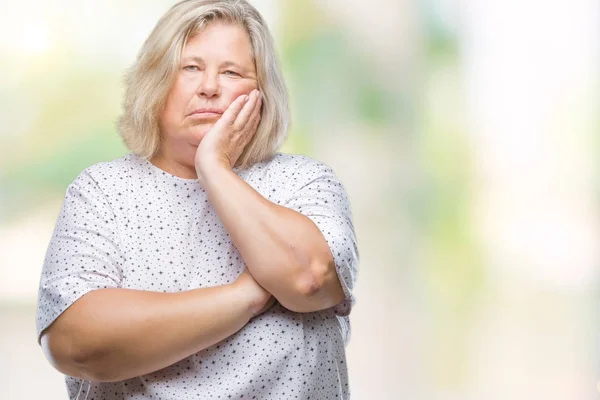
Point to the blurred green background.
(465, 132)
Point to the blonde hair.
(149, 79)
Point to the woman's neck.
(172, 165)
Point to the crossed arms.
(115, 334)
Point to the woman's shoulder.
(114, 167)
(287, 164)
(290, 172)
(107, 174)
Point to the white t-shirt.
(128, 224)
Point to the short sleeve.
(84, 253)
(316, 192)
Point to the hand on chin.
(199, 131)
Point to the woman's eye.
(228, 72)
(190, 68)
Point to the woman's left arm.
(284, 250)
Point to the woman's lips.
(214, 110)
(205, 115)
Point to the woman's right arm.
(116, 334)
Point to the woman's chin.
(198, 133)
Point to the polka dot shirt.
(128, 224)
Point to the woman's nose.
(209, 85)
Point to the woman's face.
(216, 67)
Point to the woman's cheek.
(244, 88)
(232, 92)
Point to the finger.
(246, 113)
(230, 115)
(254, 114)
(246, 133)
(255, 120)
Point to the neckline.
(236, 170)
(165, 173)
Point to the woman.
(203, 264)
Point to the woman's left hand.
(225, 141)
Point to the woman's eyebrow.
(232, 64)
(197, 59)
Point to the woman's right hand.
(260, 300)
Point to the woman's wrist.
(253, 297)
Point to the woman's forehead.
(221, 40)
